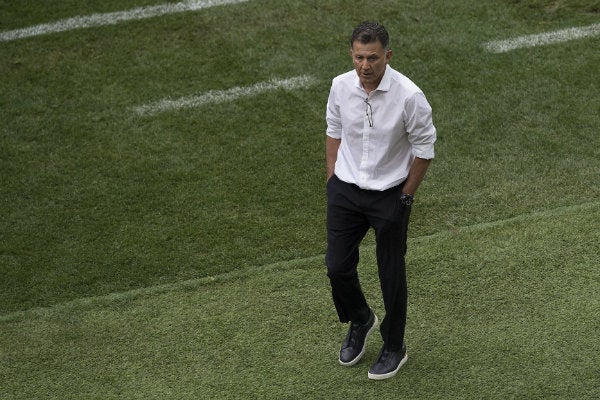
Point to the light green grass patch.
(497, 310)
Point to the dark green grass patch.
(96, 199)
(553, 8)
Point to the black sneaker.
(354, 345)
(388, 363)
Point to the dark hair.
(369, 32)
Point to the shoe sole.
(362, 352)
(379, 377)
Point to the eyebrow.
(366, 56)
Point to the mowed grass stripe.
(112, 18)
(542, 39)
(481, 302)
(221, 96)
(191, 284)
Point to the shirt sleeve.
(419, 126)
(333, 116)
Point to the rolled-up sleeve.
(419, 126)
(333, 117)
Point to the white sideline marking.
(112, 18)
(221, 96)
(542, 39)
(195, 283)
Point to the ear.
(388, 55)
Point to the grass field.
(180, 254)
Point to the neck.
(369, 88)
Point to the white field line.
(542, 39)
(221, 96)
(112, 18)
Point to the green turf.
(502, 310)
(109, 219)
(96, 199)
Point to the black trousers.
(351, 212)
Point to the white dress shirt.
(380, 142)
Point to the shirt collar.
(384, 85)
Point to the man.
(379, 144)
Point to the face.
(370, 61)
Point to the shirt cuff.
(425, 152)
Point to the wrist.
(407, 199)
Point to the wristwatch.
(407, 199)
